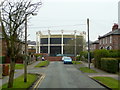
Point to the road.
(59, 75)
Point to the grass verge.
(108, 81)
(87, 70)
(42, 64)
(19, 82)
(76, 62)
(19, 66)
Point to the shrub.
(37, 55)
(83, 55)
(98, 54)
(2, 59)
(78, 58)
(109, 64)
(114, 53)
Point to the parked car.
(63, 58)
(67, 60)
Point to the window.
(100, 41)
(44, 40)
(103, 40)
(110, 39)
(55, 40)
(106, 40)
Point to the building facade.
(94, 45)
(110, 40)
(31, 47)
(54, 44)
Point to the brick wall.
(116, 42)
(57, 58)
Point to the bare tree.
(13, 15)
(70, 46)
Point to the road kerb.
(39, 81)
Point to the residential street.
(59, 75)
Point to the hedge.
(110, 64)
(2, 59)
(114, 53)
(84, 56)
(98, 54)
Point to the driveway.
(59, 75)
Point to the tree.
(13, 15)
(70, 46)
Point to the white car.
(63, 58)
(67, 60)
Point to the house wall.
(116, 42)
(113, 41)
(94, 47)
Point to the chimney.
(115, 26)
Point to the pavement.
(18, 73)
(99, 72)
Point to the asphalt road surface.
(59, 75)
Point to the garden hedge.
(2, 59)
(110, 64)
(98, 54)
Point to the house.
(2, 44)
(110, 40)
(3, 48)
(31, 47)
(94, 45)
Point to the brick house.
(2, 44)
(3, 48)
(94, 45)
(31, 47)
(110, 40)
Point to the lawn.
(19, 82)
(42, 64)
(76, 62)
(108, 81)
(87, 70)
(19, 66)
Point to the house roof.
(29, 42)
(95, 42)
(114, 32)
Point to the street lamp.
(88, 44)
(25, 61)
(75, 44)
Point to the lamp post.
(88, 44)
(75, 44)
(25, 61)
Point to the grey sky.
(102, 14)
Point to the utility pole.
(25, 61)
(75, 44)
(88, 44)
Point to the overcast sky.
(72, 15)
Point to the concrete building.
(55, 43)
